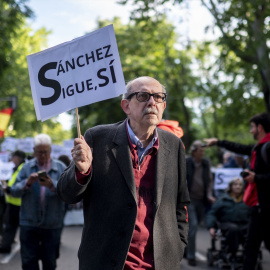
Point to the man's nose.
(151, 101)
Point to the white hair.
(42, 139)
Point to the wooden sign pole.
(78, 124)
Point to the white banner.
(76, 73)
(58, 150)
(9, 144)
(224, 175)
(6, 170)
(26, 145)
(4, 157)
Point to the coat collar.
(161, 165)
(121, 153)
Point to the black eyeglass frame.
(149, 96)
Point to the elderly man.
(42, 211)
(131, 177)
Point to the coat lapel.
(162, 165)
(121, 153)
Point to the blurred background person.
(232, 160)
(229, 160)
(256, 194)
(200, 186)
(65, 159)
(42, 211)
(12, 212)
(230, 214)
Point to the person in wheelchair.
(230, 214)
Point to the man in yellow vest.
(11, 219)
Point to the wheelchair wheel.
(233, 266)
(210, 257)
(220, 264)
(259, 262)
(258, 266)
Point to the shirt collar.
(135, 140)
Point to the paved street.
(70, 243)
(68, 255)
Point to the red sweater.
(140, 254)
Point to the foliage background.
(213, 87)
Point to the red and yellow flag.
(5, 115)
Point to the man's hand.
(45, 181)
(211, 199)
(211, 141)
(33, 177)
(82, 155)
(212, 232)
(250, 177)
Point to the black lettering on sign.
(49, 83)
(219, 177)
(108, 47)
(112, 72)
(99, 54)
(100, 76)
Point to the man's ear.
(125, 106)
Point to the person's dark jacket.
(225, 209)
(262, 170)
(190, 169)
(110, 200)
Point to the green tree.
(15, 81)
(244, 28)
(147, 48)
(12, 14)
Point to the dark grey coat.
(109, 200)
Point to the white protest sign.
(6, 170)
(26, 145)
(224, 175)
(4, 157)
(58, 150)
(68, 143)
(76, 73)
(9, 144)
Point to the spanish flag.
(5, 115)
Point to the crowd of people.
(143, 196)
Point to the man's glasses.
(145, 96)
(42, 152)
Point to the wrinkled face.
(42, 153)
(148, 113)
(237, 187)
(198, 153)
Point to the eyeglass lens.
(145, 96)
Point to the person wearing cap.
(131, 177)
(199, 180)
(42, 211)
(12, 212)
